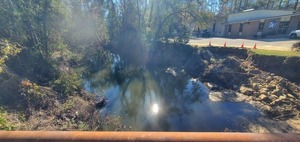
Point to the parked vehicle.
(294, 34)
(205, 33)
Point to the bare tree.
(279, 5)
(296, 4)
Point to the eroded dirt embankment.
(269, 83)
(288, 67)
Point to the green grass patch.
(264, 52)
(276, 53)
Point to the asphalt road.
(283, 44)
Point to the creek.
(163, 100)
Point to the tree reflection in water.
(157, 100)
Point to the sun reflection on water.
(155, 108)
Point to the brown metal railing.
(25, 136)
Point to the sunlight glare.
(155, 108)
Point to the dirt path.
(282, 44)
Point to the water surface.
(159, 101)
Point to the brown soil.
(282, 66)
(269, 83)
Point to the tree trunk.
(246, 4)
(234, 6)
(296, 5)
(151, 13)
(272, 6)
(240, 5)
(45, 28)
(268, 4)
(287, 4)
(279, 6)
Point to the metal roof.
(259, 14)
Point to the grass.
(267, 52)
(276, 53)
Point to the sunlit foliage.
(7, 50)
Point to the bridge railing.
(55, 136)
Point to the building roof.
(257, 14)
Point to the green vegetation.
(47, 45)
(275, 53)
(68, 83)
(7, 50)
(267, 52)
(37, 97)
(4, 121)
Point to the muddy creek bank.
(231, 78)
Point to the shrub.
(4, 122)
(68, 83)
(296, 46)
(37, 97)
(7, 50)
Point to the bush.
(31, 64)
(296, 46)
(7, 50)
(4, 122)
(37, 97)
(68, 83)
